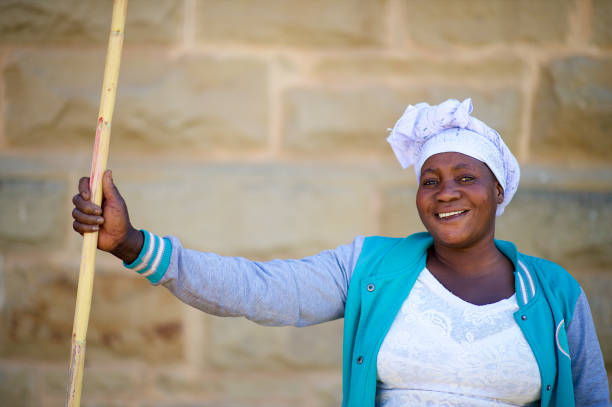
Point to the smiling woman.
(447, 317)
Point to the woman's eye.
(466, 178)
(429, 182)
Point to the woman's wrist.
(130, 248)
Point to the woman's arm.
(588, 369)
(278, 292)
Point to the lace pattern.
(443, 351)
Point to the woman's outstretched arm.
(279, 292)
(296, 292)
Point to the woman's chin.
(453, 241)
(453, 237)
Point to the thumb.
(109, 189)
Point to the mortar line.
(189, 23)
(395, 36)
(3, 140)
(529, 94)
(275, 119)
(586, 17)
(588, 20)
(573, 20)
(580, 24)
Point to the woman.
(449, 317)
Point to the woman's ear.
(500, 192)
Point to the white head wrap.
(425, 130)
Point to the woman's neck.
(475, 261)
(480, 274)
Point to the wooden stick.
(90, 240)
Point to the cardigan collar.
(410, 250)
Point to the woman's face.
(457, 199)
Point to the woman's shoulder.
(547, 269)
(555, 279)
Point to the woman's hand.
(116, 234)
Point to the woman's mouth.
(450, 215)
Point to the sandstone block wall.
(257, 128)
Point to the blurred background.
(257, 128)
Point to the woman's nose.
(448, 191)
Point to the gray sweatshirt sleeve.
(588, 369)
(279, 292)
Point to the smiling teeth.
(447, 214)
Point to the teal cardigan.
(383, 277)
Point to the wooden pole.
(90, 240)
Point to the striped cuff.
(154, 258)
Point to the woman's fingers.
(84, 188)
(83, 228)
(86, 219)
(86, 206)
(84, 223)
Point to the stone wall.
(258, 128)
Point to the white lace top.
(443, 351)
